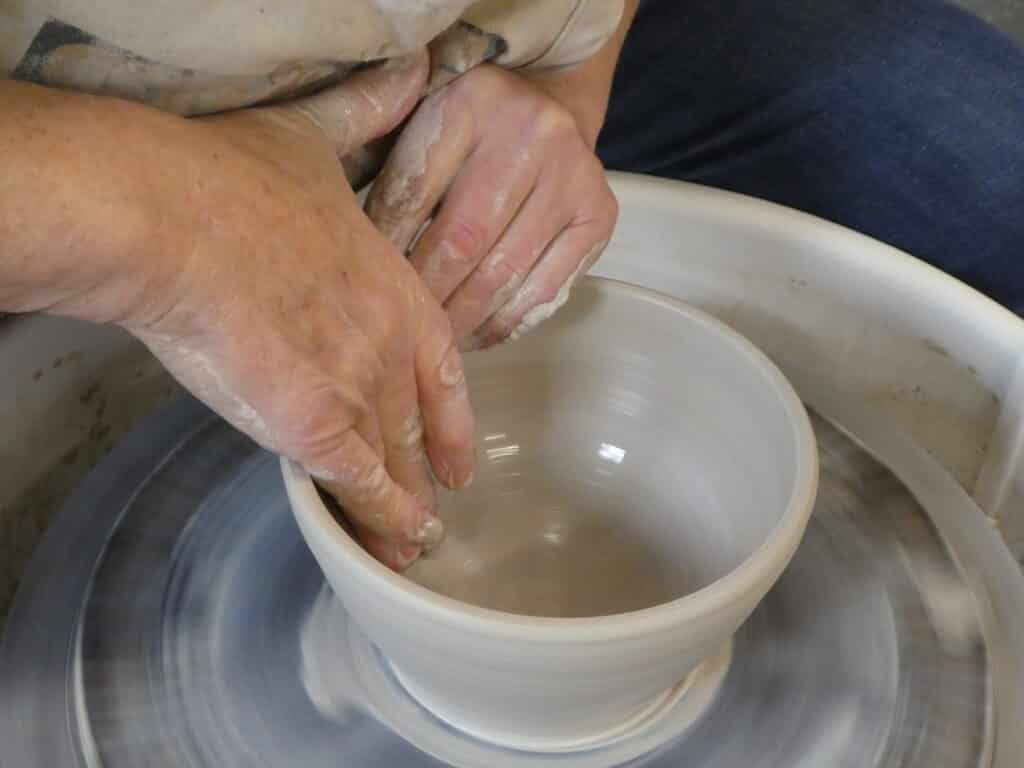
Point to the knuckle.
(535, 291)
(386, 325)
(456, 441)
(317, 422)
(500, 327)
(546, 295)
(499, 272)
(450, 373)
(388, 517)
(393, 361)
(554, 121)
(367, 484)
(483, 79)
(347, 359)
(367, 374)
(407, 441)
(396, 196)
(463, 242)
(363, 367)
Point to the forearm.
(584, 89)
(80, 191)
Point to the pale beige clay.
(530, 550)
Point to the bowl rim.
(766, 562)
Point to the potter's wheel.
(174, 617)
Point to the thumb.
(368, 104)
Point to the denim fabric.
(903, 119)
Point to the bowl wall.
(638, 459)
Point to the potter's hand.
(304, 327)
(519, 202)
(244, 261)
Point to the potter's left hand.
(520, 204)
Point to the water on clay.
(531, 552)
(544, 533)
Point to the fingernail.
(470, 343)
(483, 339)
(430, 534)
(427, 494)
(406, 555)
(445, 474)
(435, 264)
(466, 481)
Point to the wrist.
(582, 95)
(584, 89)
(80, 222)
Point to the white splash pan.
(936, 366)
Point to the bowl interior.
(631, 451)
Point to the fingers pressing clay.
(294, 318)
(500, 275)
(507, 176)
(546, 289)
(444, 402)
(484, 197)
(394, 554)
(404, 452)
(359, 480)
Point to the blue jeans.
(903, 119)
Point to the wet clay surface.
(528, 549)
(563, 519)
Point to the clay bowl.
(645, 476)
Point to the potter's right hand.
(266, 291)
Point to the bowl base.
(683, 703)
